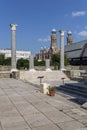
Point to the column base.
(48, 69)
(32, 70)
(14, 70)
(62, 69)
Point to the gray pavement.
(24, 107)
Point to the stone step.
(72, 91)
(75, 88)
(48, 76)
(78, 85)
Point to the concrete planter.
(44, 88)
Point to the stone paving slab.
(8, 111)
(82, 129)
(16, 126)
(70, 125)
(83, 120)
(44, 107)
(24, 107)
(47, 127)
(37, 120)
(84, 106)
(57, 116)
(77, 114)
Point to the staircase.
(48, 76)
(74, 89)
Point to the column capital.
(62, 32)
(13, 26)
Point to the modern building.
(47, 53)
(19, 54)
(77, 53)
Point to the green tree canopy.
(22, 63)
(66, 60)
(55, 60)
(2, 58)
(39, 63)
(7, 61)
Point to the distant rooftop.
(76, 50)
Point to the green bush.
(22, 63)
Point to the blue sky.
(36, 19)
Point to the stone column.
(48, 65)
(62, 49)
(31, 63)
(13, 47)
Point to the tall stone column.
(48, 65)
(62, 49)
(13, 47)
(31, 64)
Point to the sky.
(37, 18)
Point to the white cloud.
(78, 13)
(83, 33)
(44, 39)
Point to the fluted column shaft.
(62, 49)
(13, 46)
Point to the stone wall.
(83, 67)
(42, 68)
(5, 68)
(70, 67)
(8, 74)
(5, 74)
(48, 76)
(74, 74)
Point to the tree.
(2, 58)
(7, 61)
(22, 63)
(39, 63)
(55, 60)
(66, 60)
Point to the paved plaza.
(24, 107)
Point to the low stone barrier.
(5, 74)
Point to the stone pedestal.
(44, 88)
(31, 64)
(48, 65)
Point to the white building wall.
(19, 54)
